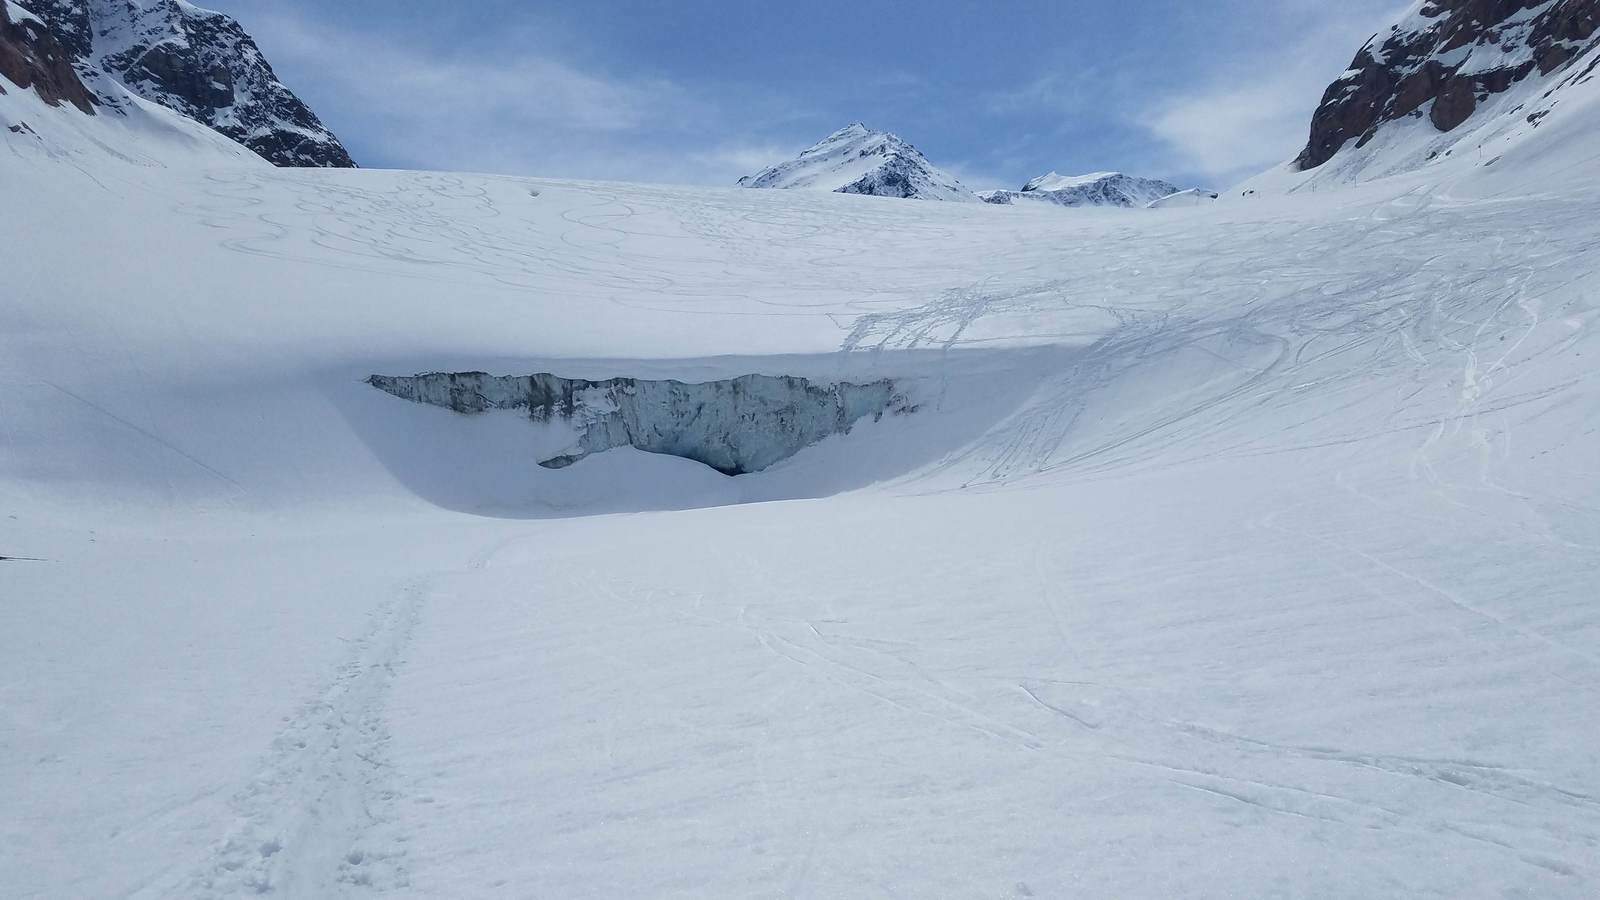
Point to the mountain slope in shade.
(197, 62)
(1450, 76)
(857, 160)
(1095, 189)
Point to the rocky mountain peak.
(1443, 61)
(197, 62)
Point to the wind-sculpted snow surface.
(735, 426)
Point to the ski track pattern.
(1349, 334)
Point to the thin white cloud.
(1214, 106)
(1054, 93)
(1228, 131)
(523, 112)
(979, 179)
(1255, 110)
(745, 159)
(1226, 105)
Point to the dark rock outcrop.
(32, 57)
(195, 62)
(1453, 54)
(735, 426)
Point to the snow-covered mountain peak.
(857, 139)
(853, 130)
(1056, 182)
(1093, 189)
(859, 160)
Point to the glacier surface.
(1242, 550)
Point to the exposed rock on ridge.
(32, 57)
(1443, 60)
(198, 63)
(735, 426)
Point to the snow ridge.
(858, 160)
(1190, 197)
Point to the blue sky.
(702, 92)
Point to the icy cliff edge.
(735, 426)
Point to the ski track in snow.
(317, 821)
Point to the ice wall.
(735, 426)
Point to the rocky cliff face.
(1444, 60)
(857, 160)
(735, 426)
(198, 63)
(1096, 189)
(31, 57)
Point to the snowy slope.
(857, 160)
(1095, 189)
(1240, 550)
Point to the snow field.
(1245, 549)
